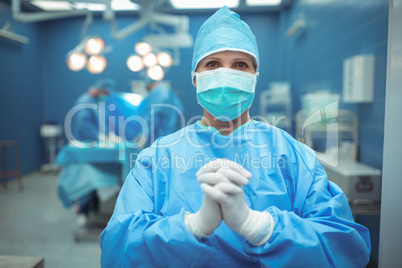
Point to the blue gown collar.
(213, 129)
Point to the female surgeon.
(228, 191)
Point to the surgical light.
(143, 48)
(96, 64)
(164, 59)
(76, 61)
(135, 63)
(150, 60)
(94, 46)
(156, 73)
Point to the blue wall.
(313, 60)
(21, 100)
(45, 88)
(36, 86)
(36, 80)
(62, 86)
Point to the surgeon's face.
(228, 59)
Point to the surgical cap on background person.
(104, 83)
(223, 31)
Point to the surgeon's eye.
(240, 65)
(212, 64)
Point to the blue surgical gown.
(102, 116)
(314, 226)
(122, 109)
(161, 109)
(85, 122)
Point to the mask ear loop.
(194, 76)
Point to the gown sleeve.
(84, 123)
(322, 235)
(138, 237)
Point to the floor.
(35, 223)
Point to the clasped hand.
(222, 182)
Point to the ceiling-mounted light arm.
(163, 41)
(299, 24)
(176, 56)
(123, 33)
(80, 47)
(180, 23)
(6, 33)
(180, 39)
(109, 15)
(42, 16)
(147, 16)
(170, 40)
(87, 22)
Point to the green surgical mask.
(225, 93)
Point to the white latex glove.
(255, 226)
(204, 222)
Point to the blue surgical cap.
(224, 30)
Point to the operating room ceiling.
(159, 5)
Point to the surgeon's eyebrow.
(235, 59)
(243, 59)
(212, 58)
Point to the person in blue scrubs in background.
(229, 191)
(85, 125)
(98, 115)
(96, 123)
(161, 109)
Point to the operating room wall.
(62, 86)
(313, 60)
(37, 86)
(21, 93)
